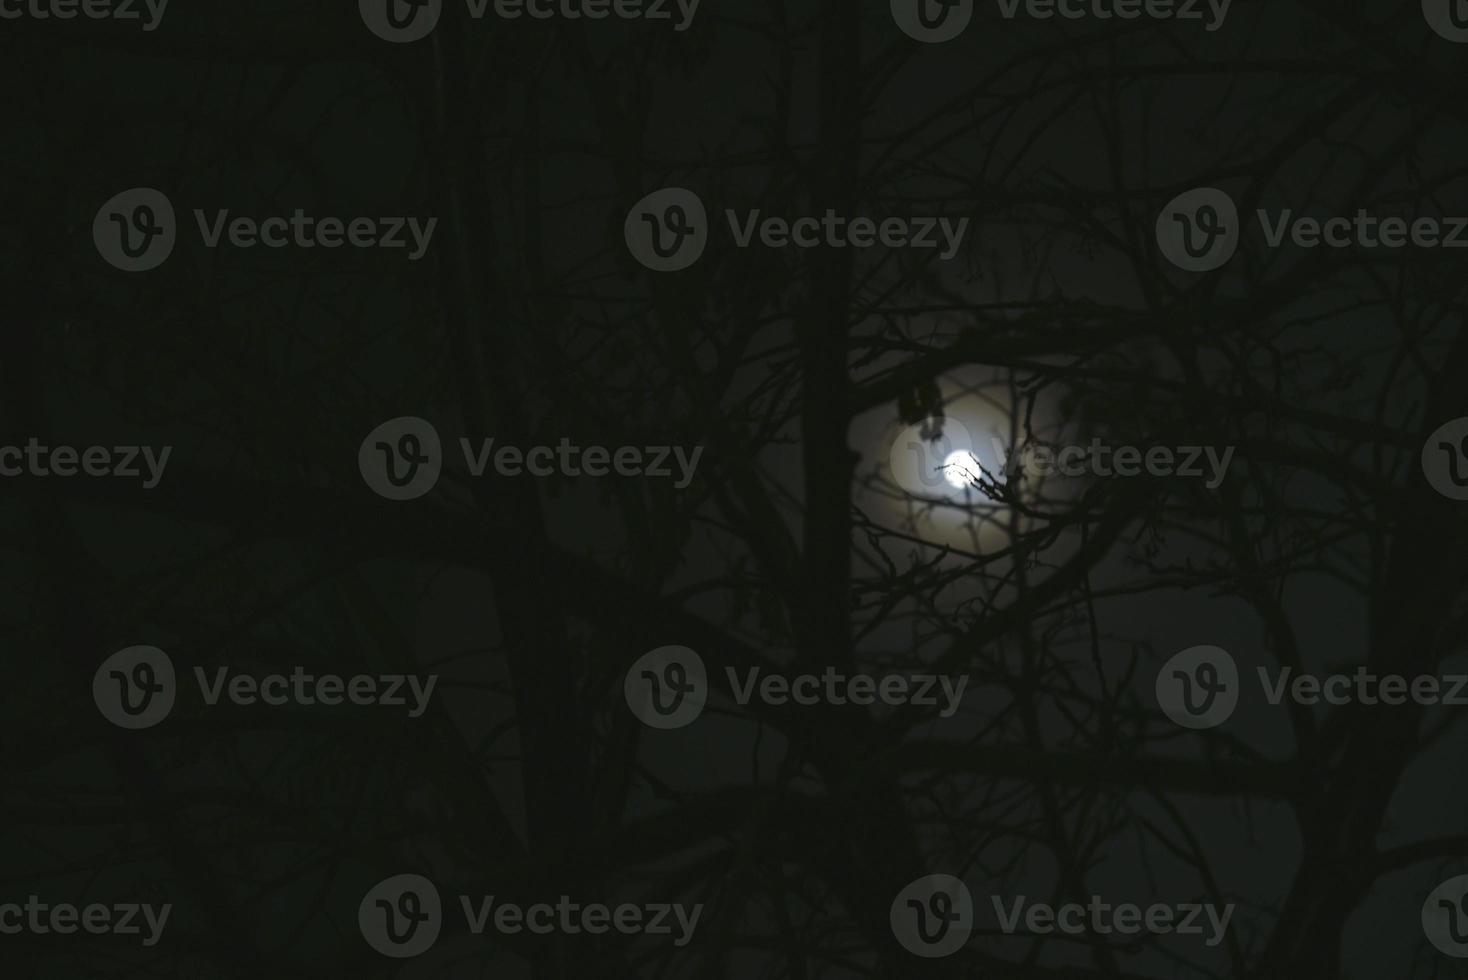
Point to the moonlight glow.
(961, 469)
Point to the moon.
(961, 469)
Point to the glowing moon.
(961, 469)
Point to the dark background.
(796, 370)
